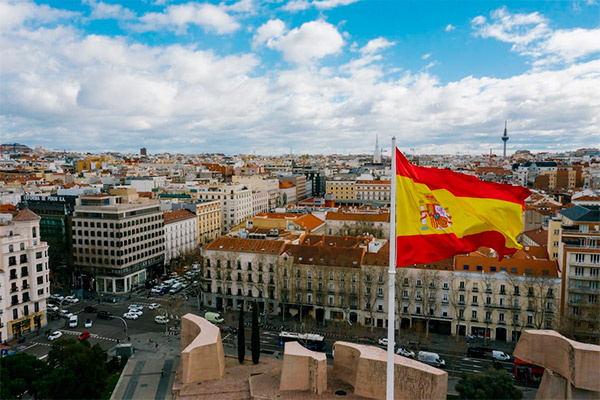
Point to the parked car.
(154, 306)
(104, 315)
(405, 352)
(476, 352)
(135, 307)
(71, 299)
(65, 313)
(213, 317)
(156, 289)
(176, 288)
(432, 359)
(130, 315)
(161, 319)
(383, 342)
(56, 297)
(55, 335)
(52, 308)
(90, 309)
(73, 321)
(84, 335)
(88, 323)
(500, 356)
(164, 290)
(139, 313)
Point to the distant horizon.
(319, 75)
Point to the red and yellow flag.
(440, 213)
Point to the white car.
(57, 297)
(52, 308)
(161, 319)
(71, 299)
(65, 313)
(154, 306)
(55, 335)
(405, 352)
(500, 355)
(139, 313)
(130, 315)
(156, 289)
(135, 307)
(88, 323)
(383, 342)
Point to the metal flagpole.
(392, 280)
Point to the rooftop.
(178, 215)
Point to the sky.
(307, 76)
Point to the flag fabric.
(440, 213)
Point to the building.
(143, 151)
(579, 259)
(208, 215)
(342, 190)
(373, 192)
(529, 170)
(181, 233)
(285, 221)
(299, 180)
(24, 275)
(288, 192)
(118, 241)
(359, 222)
(562, 179)
(317, 178)
(260, 183)
(260, 202)
(236, 202)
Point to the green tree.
(491, 385)
(241, 336)
(20, 372)
(255, 339)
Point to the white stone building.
(236, 202)
(181, 233)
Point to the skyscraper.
(377, 153)
(505, 139)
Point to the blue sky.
(323, 76)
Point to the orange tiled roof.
(372, 182)
(309, 222)
(227, 243)
(177, 215)
(285, 185)
(334, 241)
(26, 215)
(8, 208)
(343, 216)
(540, 236)
(327, 255)
(520, 263)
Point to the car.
(154, 306)
(88, 323)
(156, 289)
(104, 315)
(65, 313)
(476, 352)
(52, 308)
(57, 297)
(109, 299)
(500, 355)
(73, 321)
(383, 342)
(84, 335)
(139, 313)
(432, 359)
(90, 309)
(71, 299)
(229, 330)
(130, 315)
(164, 290)
(161, 319)
(405, 352)
(135, 307)
(55, 335)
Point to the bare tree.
(368, 290)
(429, 279)
(361, 228)
(173, 309)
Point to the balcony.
(474, 304)
(462, 288)
(475, 290)
(474, 320)
(13, 276)
(14, 289)
(501, 322)
(25, 287)
(487, 321)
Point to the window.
(15, 313)
(595, 258)
(502, 289)
(517, 291)
(461, 285)
(474, 314)
(488, 300)
(445, 285)
(475, 287)
(38, 255)
(579, 271)
(309, 274)
(444, 297)
(11, 248)
(474, 299)
(309, 298)
(419, 283)
(330, 275)
(594, 272)
(39, 267)
(501, 317)
(461, 313)
(579, 257)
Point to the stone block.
(303, 369)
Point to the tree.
(429, 280)
(173, 309)
(20, 373)
(255, 339)
(491, 385)
(369, 294)
(241, 338)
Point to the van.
(432, 359)
(500, 355)
(73, 320)
(213, 317)
(176, 288)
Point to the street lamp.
(124, 322)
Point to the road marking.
(41, 344)
(43, 357)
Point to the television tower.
(505, 139)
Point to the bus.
(309, 340)
(524, 371)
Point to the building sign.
(44, 198)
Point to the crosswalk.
(92, 335)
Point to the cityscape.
(198, 200)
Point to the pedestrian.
(156, 345)
(162, 372)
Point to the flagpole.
(392, 280)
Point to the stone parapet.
(364, 367)
(303, 369)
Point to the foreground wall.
(303, 369)
(571, 368)
(202, 355)
(364, 367)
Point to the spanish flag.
(440, 213)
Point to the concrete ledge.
(303, 369)
(577, 362)
(364, 367)
(202, 355)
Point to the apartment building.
(24, 275)
(579, 259)
(373, 192)
(238, 271)
(181, 233)
(260, 202)
(236, 202)
(284, 221)
(118, 240)
(342, 190)
(288, 193)
(260, 183)
(208, 218)
(358, 222)
(299, 180)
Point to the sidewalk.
(150, 372)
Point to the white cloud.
(373, 46)
(101, 10)
(449, 28)
(301, 5)
(242, 6)
(312, 41)
(178, 17)
(425, 56)
(530, 35)
(14, 13)
(271, 29)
